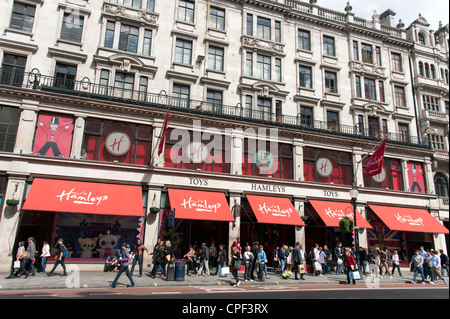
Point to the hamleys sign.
(274, 210)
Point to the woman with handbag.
(21, 255)
(236, 264)
(351, 266)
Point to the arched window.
(421, 39)
(441, 185)
(427, 70)
(421, 68)
(433, 71)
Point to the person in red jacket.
(351, 265)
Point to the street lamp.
(354, 196)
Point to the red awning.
(274, 210)
(408, 219)
(332, 212)
(83, 197)
(190, 204)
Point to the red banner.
(162, 138)
(375, 162)
(274, 210)
(332, 212)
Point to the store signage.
(117, 143)
(264, 161)
(274, 210)
(324, 167)
(407, 219)
(268, 188)
(332, 212)
(81, 197)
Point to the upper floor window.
(65, 75)
(217, 18)
(186, 11)
(306, 116)
(72, 27)
(329, 46)
(13, 69)
(397, 62)
(9, 124)
(151, 5)
(23, 17)
(304, 40)
(263, 28)
(215, 58)
(332, 120)
(128, 39)
(421, 39)
(367, 53)
(183, 51)
(331, 82)
(390, 177)
(399, 96)
(305, 73)
(264, 67)
(133, 3)
(441, 185)
(430, 103)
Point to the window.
(181, 95)
(72, 27)
(267, 159)
(278, 74)
(390, 177)
(441, 185)
(403, 131)
(332, 121)
(208, 155)
(358, 86)
(304, 40)
(277, 31)
(329, 46)
(437, 142)
(109, 35)
(129, 143)
(9, 124)
(183, 51)
(186, 11)
(433, 71)
(416, 177)
(370, 89)
(143, 86)
(399, 93)
(427, 70)
(151, 5)
(361, 125)
(104, 82)
(214, 98)
(378, 52)
(263, 108)
(22, 17)
(421, 72)
(263, 67)
(217, 18)
(13, 69)
(147, 48)
(397, 62)
(128, 39)
(215, 58)
(355, 51)
(305, 77)
(374, 129)
(381, 91)
(367, 53)
(430, 103)
(250, 25)
(133, 3)
(331, 82)
(123, 85)
(306, 116)
(249, 64)
(421, 39)
(65, 76)
(327, 166)
(263, 28)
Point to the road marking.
(43, 295)
(105, 293)
(166, 293)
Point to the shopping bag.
(224, 271)
(356, 275)
(16, 264)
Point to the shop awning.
(199, 205)
(84, 197)
(332, 212)
(274, 210)
(408, 219)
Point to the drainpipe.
(414, 97)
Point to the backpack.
(64, 251)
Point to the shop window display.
(389, 178)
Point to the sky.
(407, 10)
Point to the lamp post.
(354, 196)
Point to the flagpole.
(162, 128)
(363, 158)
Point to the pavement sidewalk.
(77, 279)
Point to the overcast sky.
(407, 10)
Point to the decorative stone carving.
(132, 14)
(266, 45)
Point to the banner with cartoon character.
(53, 135)
(416, 177)
(94, 236)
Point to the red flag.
(162, 139)
(375, 162)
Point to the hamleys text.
(83, 197)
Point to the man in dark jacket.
(254, 250)
(339, 255)
(297, 260)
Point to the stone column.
(27, 127)
(151, 225)
(234, 228)
(298, 160)
(77, 140)
(362, 232)
(300, 236)
(9, 222)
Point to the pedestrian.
(322, 258)
(275, 258)
(111, 263)
(298, 258)
(396, 263)
(124, 263)
(288, 271)
(254, 250)
(444, 262)
(248, 258)
(417, 265)
(282, 258)
(213, 251)
(158, 260)
(351, 266)
(62, 253)
(30, 259)
(363, 259)
(423, 253)
(328, 259)
(372, 260)
(20, 256)
(427, 266)
(384, 263)
(236, 263)
(339, 256)
(168, 255)
(190, 257)
(44, 256)
(138, 252)
(261, 262)
(221, 259)
(204, 260)
(436, 268)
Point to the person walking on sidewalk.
(339, 255)
(444, 262)
(236, 263)
(248, 261)
(158, 256)
(351, 266)
(44, 256)
(417, 266)
(138, 252)
(221, 259)
(20, 256)
(62, 253)
(261, 262)
(298, 259)
(436, 268)
(124, 263)
(396, 263)
(30, 260)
